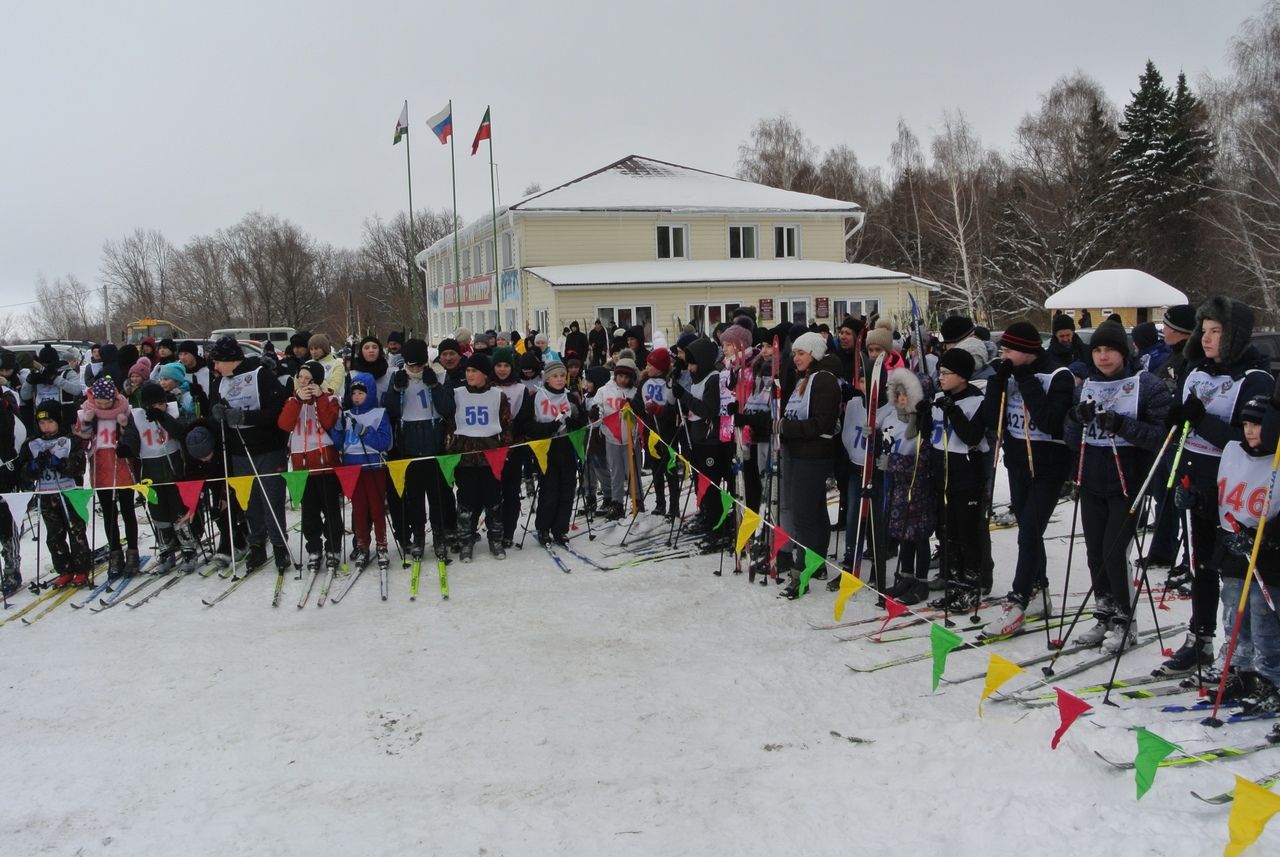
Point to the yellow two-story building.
(646, 242)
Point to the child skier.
(364, 436)
(596, 473)
(519, 403)
(482, 420)
(54, 461)
(608, 405)
(110, 473)
(309, 416)
(1119, 416)
(554, 412)
(910, 482)
(660, 414)
(151, 434)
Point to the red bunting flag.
(780, 541)
(613, 423)
(347, 478)
(190, 493)
(703, 484)
(497, 458)
(894, 607)
(1069, 708)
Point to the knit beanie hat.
(977, 350)
(552, 368)
(505, 354)
(1181, 318)
(881, 335)
(1111, 335)
(199, 442)
(481, 362)
(625, 365)
(1021, 336)
(447, 344)
(812, 344)
(226, 349)
(142, 367)
(167, 342)
(103, 388)
(316, 369)
(188, 346)
(853, 324)
(1253, 410)
(660, 359)
(152, 393)
(1145, 335)
(959, 361)
(737, 336)
(395, 336)
(301, 339)
(1062, 321)
(531, 362)
(415, 351)
(49, 410)
(48, 357)
(174, 372)
(955, 328)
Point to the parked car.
(1268, 342)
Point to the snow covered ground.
(656, 709)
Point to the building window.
(705, 317)
(742, 242)
(477, 255)
(511, 319)
(672, 242)
(466, 266)
(491, 264)
(508, 250)
(859, 308)
(626, 315)
(794, 310)
(542, 320)
(786, 242)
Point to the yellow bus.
(157, 328)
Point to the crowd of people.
(910, 437)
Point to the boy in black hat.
(51, 379)
(481, 421)
(1067, 347)
(1036, 394)
(54, 462)
(395, 343)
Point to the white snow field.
(653, 710)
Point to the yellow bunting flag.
(999, 670)
(848, 586)
(243, 486)
(688, 468)
(1250, 812)
(148, 493)
(540, 448)
(396, 468)
(653, 444)
(747, 529)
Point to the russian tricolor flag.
(442, 123)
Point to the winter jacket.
(1249, 374)
(1045, 408)
(307, 423)
(166, 468)
(953, 467)
(98, 427)
(423, 434)
(1140, 437)
(816, 435)
(50, 463)
(260, 432)
(471, 448)
(1076, 352)
(702, 413)
(363, 432)
(335, 374)
(561, 453)
(1154, 357)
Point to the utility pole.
(106, 314)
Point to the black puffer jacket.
(1144, 434)
(816, 436)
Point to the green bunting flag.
(672, 458)
(297, 482)
(79, 498)
(941, 641)
(812, 562)
(1152, 750)
(726, 505)
(577, 437)
(448, 464)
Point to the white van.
(277, 336)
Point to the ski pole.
(1071, 542)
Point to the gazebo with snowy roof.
(1131, 293)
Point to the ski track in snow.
(656, 709)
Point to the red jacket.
(311, 446)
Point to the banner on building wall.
(474, 292)
(766, 309)
(822, 307)
(509, 287)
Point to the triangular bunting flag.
(746, 529)
(942, 642)
(296, 480)
(999, 670)
(497, 458)
(1152, 750)
(1069, 708)
(148, 493)
(243, 486)
(849, 585)
(894, 607)
(812, 562)
(1250, 812)
(726, 506)
(578, 437)
(653, 445)
(348, 476)
(703, 484)
(189, 491)
(780, 540)
(448, 464)
(613, 423)
(540, 449)
(79, 499)
(18, 502)
(396, 468)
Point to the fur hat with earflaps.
(1236, 319)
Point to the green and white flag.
(402, 124)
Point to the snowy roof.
(636, 183)
(660, 273)
(1116, 287)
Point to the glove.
(154, 414)
(361, 430)
(677, 389)
(1186, 498)
(740, 420)
(55, 463)
(1174, 417)
(1023, 372)
(429, 377)
(218, 413)
(1084, 412)
(732, 409)
(947, 405)
(1110, 421)
(1241, 541)
(41, 461)
(400, 380)
(1004, 371)
(1193, 411)
(924, 413)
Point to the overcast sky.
(184, 116)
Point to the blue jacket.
(363, 433)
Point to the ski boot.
(441, 549)
(1013, 615)
(282, 558)
(543, 537)
(80, 579)
(383, 558)
(10, 581)
(1195, 651)
(188, 548)
(613, 511)
(333, 564)
(359, 556)
(62, 581)
(256, 558)
(560, 539)
(792, 590)
(115, 565)
(493, 525)
(314, 561)
(466, 538)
